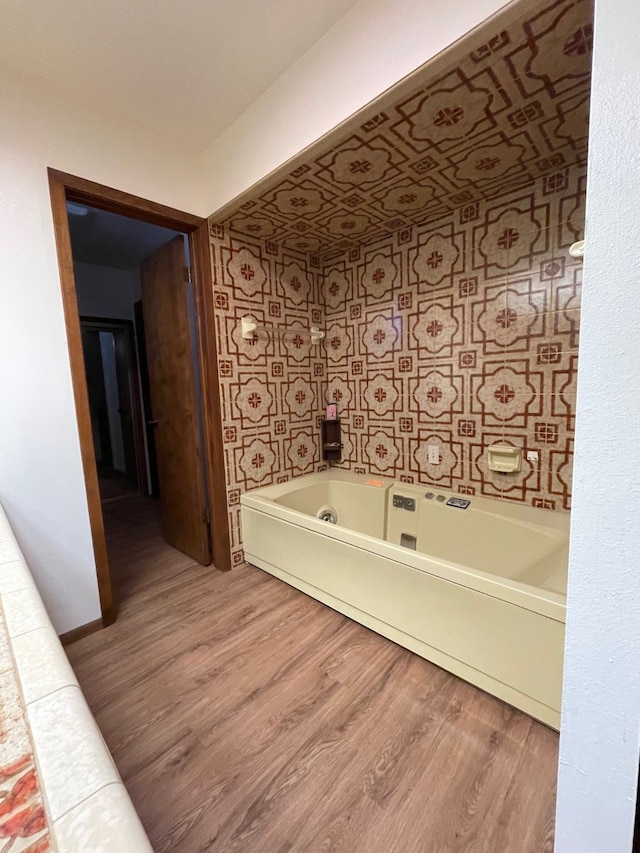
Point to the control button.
(459, 503)
(429, 496)
(441, 498)
(410, 504)
(398, 501)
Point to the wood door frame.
(117, 324)
(62, 188)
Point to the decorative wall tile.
(475, 121)
(381, 451)
(381, 396)
(488, 356)
(272, 387)
(430, 243)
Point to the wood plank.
(245, 716)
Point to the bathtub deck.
(245, 716)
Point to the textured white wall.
(599, 744)
(375, 44)
(41, 480)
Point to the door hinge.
(187, 275)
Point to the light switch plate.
(433, 454)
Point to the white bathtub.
(482, 595)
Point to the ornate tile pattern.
(272, 388)
(461, 334)
(430, 243)
(458, 333)
(469, 124)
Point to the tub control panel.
(458, 503)
(403, 502)
(400, 502)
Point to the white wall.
(106, 291)
(373, 46)
(599, 744)
(41, 480)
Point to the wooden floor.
(245, 716)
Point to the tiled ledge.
(87, 805)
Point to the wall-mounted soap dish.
(504, 458)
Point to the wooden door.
(149, 431)
(174, 401)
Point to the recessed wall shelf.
(331, 441)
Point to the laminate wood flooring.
(245, 716)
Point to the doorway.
(113, 386)
(175, 324)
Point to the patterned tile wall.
(458, 333)
(272, 388)
(461, 333)
(430, 240)
(497, 110)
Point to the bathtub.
(475, 585)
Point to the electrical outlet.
(532, 456)
(433, 454)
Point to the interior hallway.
(243, 715)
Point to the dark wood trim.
(212, 414)
(124, 325)
(80, 393)
(116, 201)
(64, 187)
(82, 631)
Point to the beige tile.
(14, 576)
(24, 611)
(6, 661)
(42, 664)
(105, 823)
(9, 550)
(74, 761)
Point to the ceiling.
(158, 64)
(110, 240)
(498, 110)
